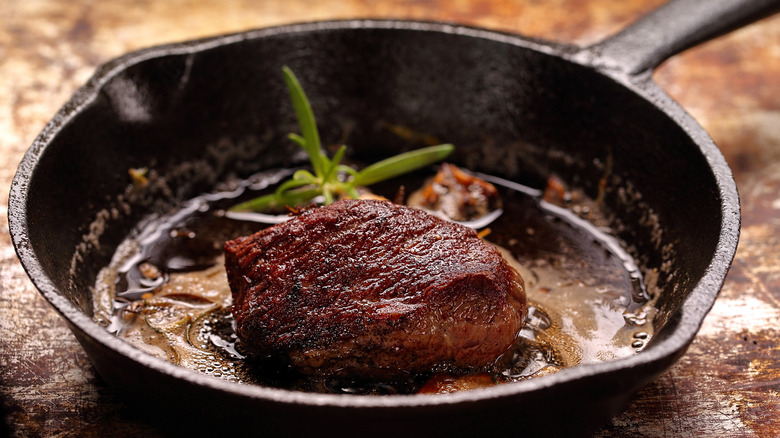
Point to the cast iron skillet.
(522, 109)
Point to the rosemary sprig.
(332, 179)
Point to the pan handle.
(674, 27)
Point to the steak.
(367, 288)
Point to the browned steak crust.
(373, 289)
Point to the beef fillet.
(368, 288)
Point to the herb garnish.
(332, 179)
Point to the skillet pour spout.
(205, 110)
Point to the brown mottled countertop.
(726, 385)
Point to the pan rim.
(691, 312)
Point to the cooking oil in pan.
(166, 293)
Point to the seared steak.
(368, 288)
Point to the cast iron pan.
(522, 109)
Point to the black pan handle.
(674, 27)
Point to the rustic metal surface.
(728, 383)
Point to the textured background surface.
(728, 383)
